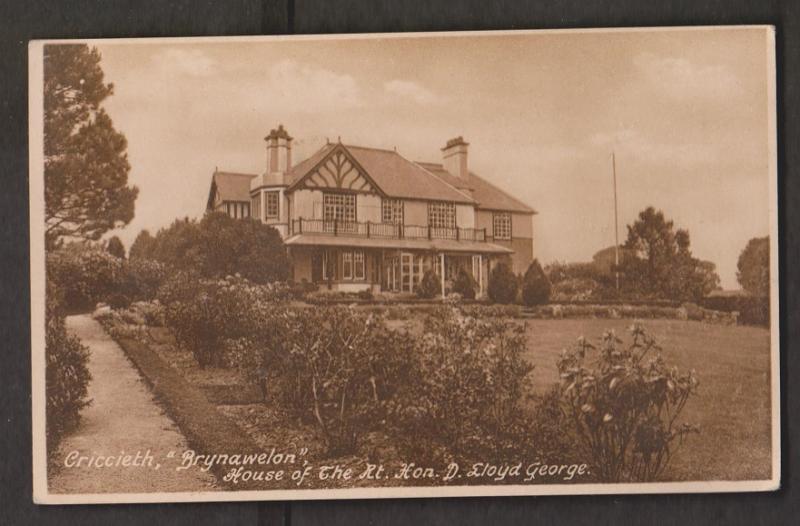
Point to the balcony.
(384, 230)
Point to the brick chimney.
(279, 153)
(454, 157)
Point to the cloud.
(191, 62)
(632, 142)
(306, 88)
(681, 79)
(412, 91)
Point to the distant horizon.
(686, 112)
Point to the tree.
(143, 246)
(219, 246)
(658, 261)
(502, 284)
(753, 267)
(535, 285)
(85, 161)
(116, 248)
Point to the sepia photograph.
(404, 265)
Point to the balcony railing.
(384, 230)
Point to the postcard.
(404, 265)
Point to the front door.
(316, 266)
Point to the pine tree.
(85, 161)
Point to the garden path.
(123, 419)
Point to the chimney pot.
(454, 157)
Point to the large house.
(356, 218)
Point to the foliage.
(142, 246)
(115, 247)
(464, 396)
(219, 246)
(535, 285)
(753, 267)
(66, 373)
(85, 166)
(332, 366)
(85, 275)
(751, 310)
(430, 285)
(502, 284)
(465, 285)
(204, 314)
(624, 405)
(658, 261)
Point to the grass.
(732, 405)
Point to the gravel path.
(123, 419)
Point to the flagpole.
(616, 222)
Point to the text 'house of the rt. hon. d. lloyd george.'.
(356, 218)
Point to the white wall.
(465, 216)
(415, 213)
(368, 208)
(307, 203)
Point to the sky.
(684, 111)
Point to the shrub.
(66, 375)
(465, 285)
(365, 294)
(332, 366)
(624, 406)
(145, 277)
(115, 247)
(752, 310)
(464, 398)
(219, 245)
(535, 285)
(204, 314)
(430, 286)
(502, 284)
(85, 275)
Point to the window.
(255, 206)
(392, 211)
(271, 205)
(441, 215)
(339, 207)
(358, 263)
(502, 225)
(347, 265)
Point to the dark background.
(32, 19)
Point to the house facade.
(356, 218)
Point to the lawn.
(732, 405)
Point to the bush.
(66, 375)
(464, 398)
(535, 285)
(85, 275)
(502, 284)
(430, 286)
(204, 314)
(218, 246)
(465, 285)
(624, 408)
(752, 310)
(332, 366)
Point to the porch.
(354, 269)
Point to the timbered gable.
(338, 171)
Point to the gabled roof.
(487, 195)
(395, 175)
(230, 186)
